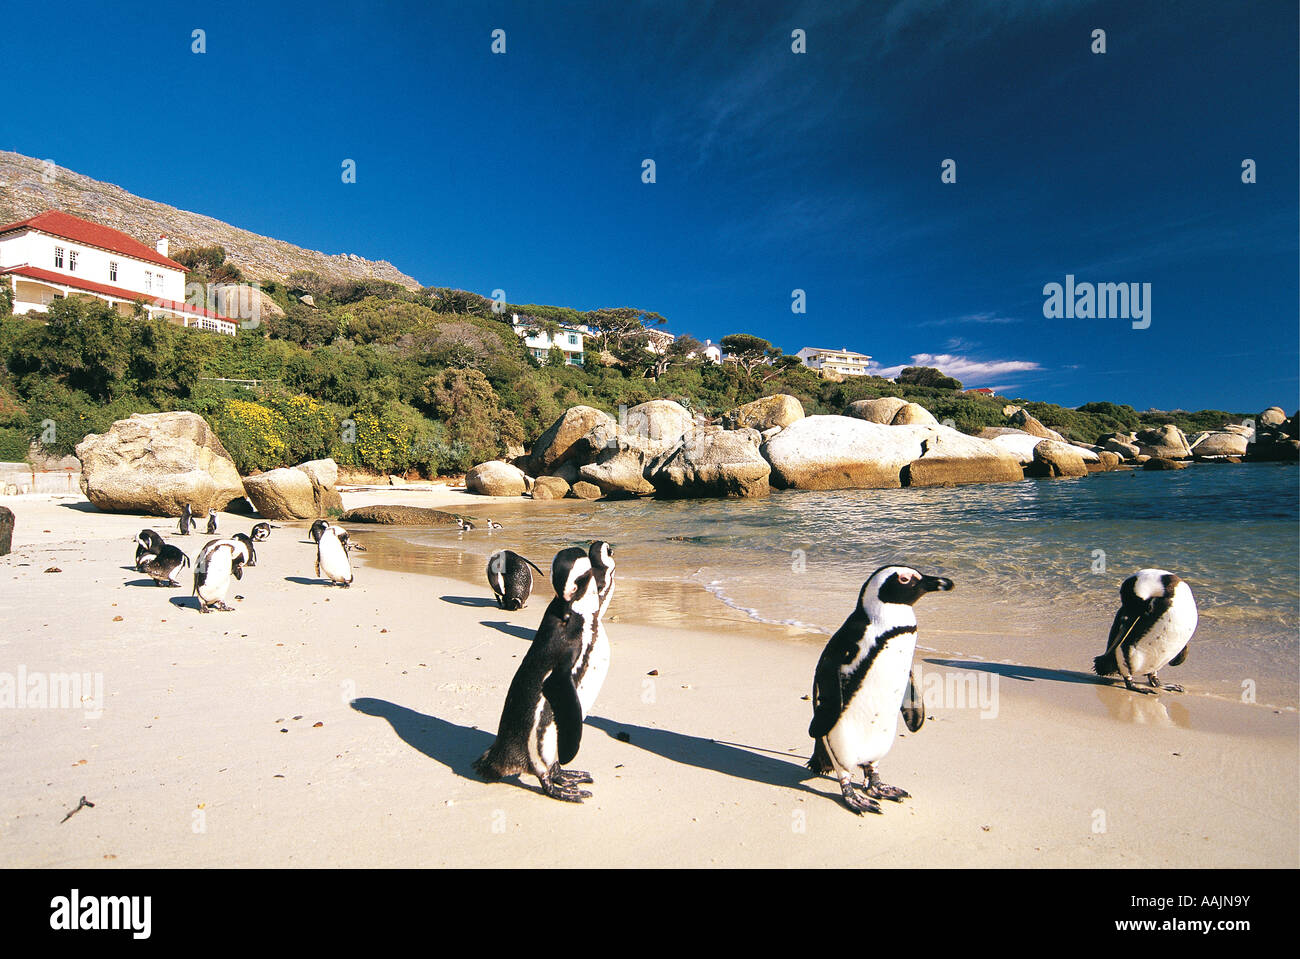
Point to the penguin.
(332, 556)
(541, 723)
(594, 666)
(1156, 619)
(262, 531)
(493, 524)
(186, 523)
(216, 563)
(510, 579)
(250, 555)
(864, 681)
(212, 522)
(159, 560)
(317, 528)
(464, 524)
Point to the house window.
(148, 282)
(573, 339)
(72, 261)
(58, 257)
(112, 271)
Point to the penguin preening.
(557, 681)
(262, 531)
(463, 523)
(510, 578)
(864, 681)
(186, 524)
(212, 522)
(217, 562)
(1156, 619)
(157, 559)
(332, 556)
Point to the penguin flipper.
(1181, 657)
(828, 698)
(913, 708)
(562, 695)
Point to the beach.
(322, 727)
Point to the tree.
(208, 264)
(611, 326)
(478, 427)
(684, 350)
(749, 351)
(6, 297)
(928, 376)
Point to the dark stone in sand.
(6, 529)
(399, 516)
(1160, 463)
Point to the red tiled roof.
(103, 289)
(69, 227)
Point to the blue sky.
(775, 171)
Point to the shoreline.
(407, 673)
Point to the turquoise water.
(1037, 564)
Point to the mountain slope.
(24, 192)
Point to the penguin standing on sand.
(216, 564)
(541, 723)
(510, 578)
(864, 680)
(262, 531)
(159, 560)
(186, 524)
(1156, 619)
(332, 556)
(594, 667)
(212, 522)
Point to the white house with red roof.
(55, 254)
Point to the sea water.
(1037, 564)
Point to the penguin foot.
(1167, 687)
(1129, 684)
(571, 777)
(564, 792)
(878, 790)
(859, 804)
(224, 608)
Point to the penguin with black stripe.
(1157, 616)
(217, 562)
(212, 522)
(332, 556)
(541, 723)
(510, 578)
(864, 681)
(157, 559)
(186, 524)
(262, 531)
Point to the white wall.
(37, 249)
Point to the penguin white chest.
(593, 677)
(334, 560)
(868, 725)
(1167, 637)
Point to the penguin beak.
(935, 583)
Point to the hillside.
(24, 192)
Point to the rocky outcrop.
(557, 445)
(1275, 437)
(839, 452)
(398, 516)
(881, 410)
(712, 463)
(657, 421)
(779, 410)
(1219, 444)
(6, 530)
(1123, 444)
(496, 478)
(305, 491)
(1054, 460)
(913, 414)
(1163, 463)
(1022, 419)
(1164, 442)
(154, 463)
(584, 490)
(550, 487)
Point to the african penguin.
(159, 560)
(864, 680)
(317, 528)
(493, 524)
(332, 556)
(590, 673)
(217, 562)
(212, 522)
(186, 523)
(463, 524)
(1156, 619)
(541, 723)
(510, 578)
(262, 531)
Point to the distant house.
(984, 390)
(712, 352)
(842, 362)
(659, 341)
(569, 339)
(55, 254)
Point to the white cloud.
(971, 372)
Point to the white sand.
(188, 764)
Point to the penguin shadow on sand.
(185, 602)
(456, 747)
(742, 762)
(510, 629)
(1025, 674)
(477, 601)
(308, 581)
